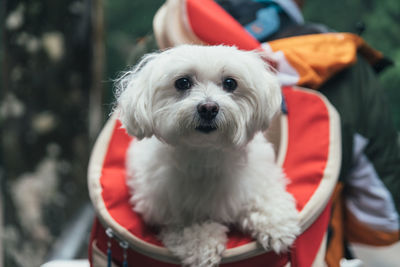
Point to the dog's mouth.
(206, 128)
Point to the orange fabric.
(358, 232)
(317, 57)
(344, 226)
(335, 248)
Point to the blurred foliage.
(128, 36)
(1, 50)
(44, 99)
(129, 25)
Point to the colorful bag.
(365, 212)
(309, 152)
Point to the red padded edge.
(211, 24)
(308, 243)
(305, 162)
(308, 143)
(138, 259)
(115, 191)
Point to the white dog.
(200, 161)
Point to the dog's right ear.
(134, 98)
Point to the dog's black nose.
(208, 110)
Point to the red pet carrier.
(308, 142)
(308, 149)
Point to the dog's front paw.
(277, 240)
(278, 236)
(199, 245)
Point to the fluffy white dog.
(200, 161)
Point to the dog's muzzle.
(207, 112)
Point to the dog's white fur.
(194, 184)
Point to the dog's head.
(199, 96)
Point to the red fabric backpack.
(309, 151)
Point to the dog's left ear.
(269, 92)
(134, 99)
(273, 98)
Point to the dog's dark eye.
(183, 83)
(229, 84)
